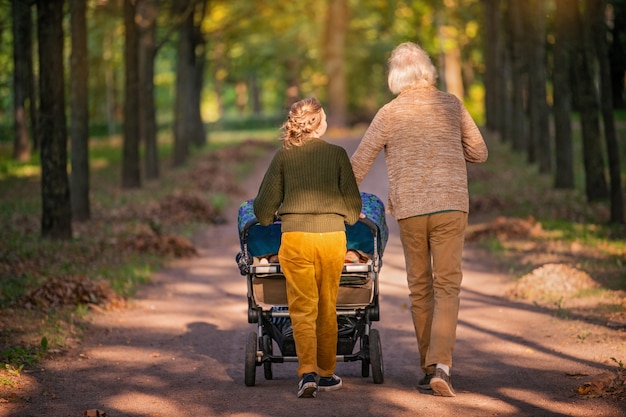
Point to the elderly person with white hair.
(428, 136)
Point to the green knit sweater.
(311, 188)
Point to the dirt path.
(179, 351)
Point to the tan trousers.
(312, 265)
(433, 249)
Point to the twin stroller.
(357, 301)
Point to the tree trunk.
(131, 172)
(503, 73)
(198, 134)
(518, 76)
(255, 92)
(147, 13)
(33, 100)
(79, 130)
(184, 84)
(539, 149)
(595, 181)
(56, 219)
(22, 48)
(617, 57)
(334, 62)
(505, 94)
(595, 10)
(451, 55)
(218, 65)
(109, 80)
(542, 116)
(188, 123)
(564, 152)
(292, 69)
(492, 51)
(528, 39)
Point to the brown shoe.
(441, 385)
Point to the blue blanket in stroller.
(262, 241)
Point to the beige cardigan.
(427, 135)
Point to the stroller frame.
(357, 304)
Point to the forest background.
(102, 100)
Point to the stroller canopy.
(262, 240)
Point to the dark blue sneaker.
(330, 383)
(307, 388)
(424, 383)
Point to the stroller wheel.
(267, 348)
(376, 357)
(250, 369)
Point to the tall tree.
(595, 179)
(596, 11)
(539, 149)
(617, 52)
(79, 124)
(22, 63)
(188, 125)
(56, 219)
(564, 150)
(492, 50)
(184, 74)
(504, 80)
(450, 56)
(198, 132)
(334, 61)
(131, 172)
(146, 18)
(498, 70)
(515, 38)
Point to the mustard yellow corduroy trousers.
(312, 265)
(433, 250)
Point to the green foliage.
(6, 62)
(12, 371)
(559, 311)
(44, 344)
(14, 288)
(6, 130)
(15, 358)
(10, 168)
(126, 278)
(276, 45)
(219, 201)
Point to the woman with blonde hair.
(311, 187)
(428, 137)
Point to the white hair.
(410, 65)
